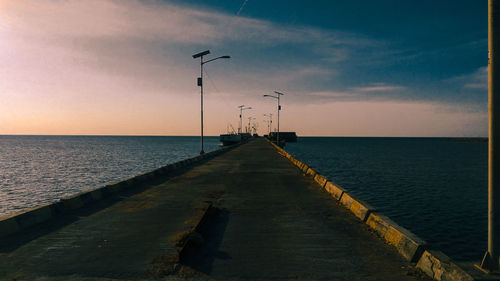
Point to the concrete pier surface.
(267, 221)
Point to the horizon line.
(317, 136)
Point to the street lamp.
(242, 107)
(200, 83)
(278, 94)
(270, 122)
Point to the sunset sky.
(347, 68)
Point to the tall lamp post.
(278, 94)
(242, 107)
(491, 260)
(200, 83)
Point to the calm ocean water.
(436, 188)
(41, 169)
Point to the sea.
(434, 187)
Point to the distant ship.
(229, 139)
(284, 136)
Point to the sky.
(346, 68)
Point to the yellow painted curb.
(311, 172)
(304, 168)
(359, 208)
(321, 180)
(335, 190)
(440, 267)
(408, 244)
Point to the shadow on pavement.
(202, 248)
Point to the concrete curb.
(440, 267)
(19, 221)
(321, 180)
(359, 208)
(408, 244)
(335, 190)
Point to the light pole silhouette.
(200, 83)
(242, 107)
(278, 94)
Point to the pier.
(249, 213)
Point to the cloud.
(145, 42)
(379, 88)
(476, 80)
(155, 21)
(241, 8)
(470, 88)
(132, 59)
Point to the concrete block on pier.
(335, 190)
(321, 180)
(304, 167)
(144, 177)
(33, 216)
(408, 244)
(123, 185)
(440, 267)
(165, 170)
(359, 208)
(310, 172)
(96, 194)
(8, 226)
(73, 202)
(199, 158)
(114, 187)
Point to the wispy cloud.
(109, 37)
(378, 88)
(241, 8)
(477, 80)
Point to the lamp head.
(201, 54)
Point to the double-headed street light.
(278, 94)
(200, 83)
(242, 107)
